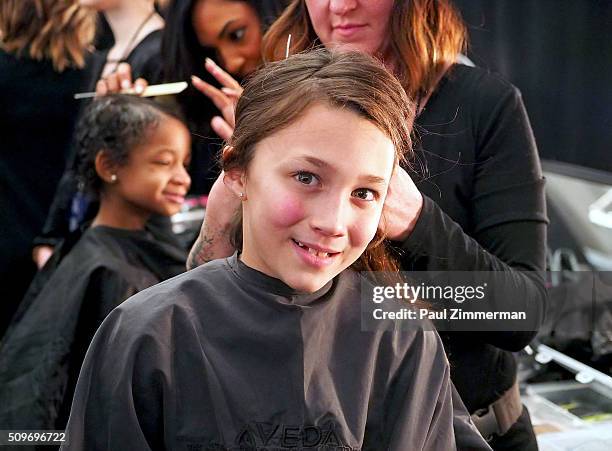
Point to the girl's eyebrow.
(166, 149)
(174, 152)
(374, 179)
(315, 161)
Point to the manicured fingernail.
(125, 84)
(195, 79)
(139, 89)
(210, 62)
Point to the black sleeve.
(508, 212)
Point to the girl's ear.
(235, 180)
(106, 170)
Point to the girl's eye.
(237, 35)
(306, 178)
(364, 194)
(163, 162)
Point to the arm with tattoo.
(212, 243)
(214, 239)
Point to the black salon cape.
(226, 358)
(42, 352)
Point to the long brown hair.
(57, 30)
(426, 37)
(279, 93)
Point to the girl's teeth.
(317, 253)
(313, 251)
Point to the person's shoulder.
(98, 263)
(184, 292)
(483, 94)
(145, 59)
(150, 46)
(479, 82)
(86, 250)
(98, 246)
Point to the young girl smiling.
(132, 154)
(264, 350)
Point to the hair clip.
(288, 46)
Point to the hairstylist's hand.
(402, 206)
(213, 241)
(225, 98)
(120, 80)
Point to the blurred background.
(559, 54)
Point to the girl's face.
(313, 196)
(361, 25)
(233, 29)
(155, 179)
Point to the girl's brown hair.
(57, 30)
(279, 93)
(426, 37)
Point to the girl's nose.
(181, 177)
(331, 217)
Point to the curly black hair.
(114, 124)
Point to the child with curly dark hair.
(133, 154)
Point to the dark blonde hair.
(426, 36)
(279, 93)
(57, 30)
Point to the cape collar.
(282, 292)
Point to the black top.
(225, 357)
(43, 349)
(144, 59)
(484, 209)
(37, 116)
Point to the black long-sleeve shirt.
(484, 210)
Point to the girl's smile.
(313, 196)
